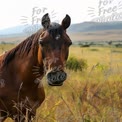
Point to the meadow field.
(91, 95)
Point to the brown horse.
(43, 53)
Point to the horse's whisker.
(36, 73)
(36, 67)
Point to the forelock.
(55, 29)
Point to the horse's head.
(54, 43)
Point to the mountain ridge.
(74, 28)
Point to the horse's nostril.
(56, 78)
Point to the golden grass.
(94, 95)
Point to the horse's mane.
(23, 48)
(30, 43)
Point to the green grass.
(93, 95)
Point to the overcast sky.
(23, 12)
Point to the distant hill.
(95, 26)
(86, 31)
(74, 28)
(21, 30)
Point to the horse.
(44, 53)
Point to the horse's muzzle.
(56, 78)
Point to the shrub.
(75, 64)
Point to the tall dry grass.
(93, 95)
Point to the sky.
(25, 12)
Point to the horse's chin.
(52, 84)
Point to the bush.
(75, 64)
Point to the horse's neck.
(28, 67)
(32, 67)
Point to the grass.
(6, 47)
(93, 95)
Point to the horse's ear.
(46, 21)
(66, 22)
